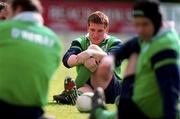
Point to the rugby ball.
(84, 102)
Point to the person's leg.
(104, 73)
(113, 90)
(85, 88)
(104, 77)
(95, 47)
(98, 107)
(99, 112)
(83, 76)
(105, 114)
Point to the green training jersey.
(29, 55)
(106, 45)
(146, 93)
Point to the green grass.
(56, 86)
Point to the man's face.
(144, 27)
(97, 32)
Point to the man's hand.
(82, 57)
(91, 64)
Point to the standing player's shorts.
(113, 89)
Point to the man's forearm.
(72, 61)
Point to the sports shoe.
(69, 95)
(98, 101)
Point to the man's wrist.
(73, 61)
(77, 61)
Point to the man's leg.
(83, 76)
(104, 73)
(82, 80)
(98, 111)
(105, 114)
(85, 88)
(95, 47)
(104, 77)
(69, 96)
(98, 107)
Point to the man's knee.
(107, 64)
(93, 46)
(105, 69)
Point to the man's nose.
(95, 34)
(140, 29)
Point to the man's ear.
(107, 29)
(87, 27)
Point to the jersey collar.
(106, 37)
(30, 17)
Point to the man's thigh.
(113, 90)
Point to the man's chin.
(96, 43)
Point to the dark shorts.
(9, 111)
(113, 89)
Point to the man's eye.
(92, 30)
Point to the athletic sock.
(83, 76)
(105, 114)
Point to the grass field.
(64, 111)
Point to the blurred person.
(85, 53)
(151, 85)
(3, 10)
(30, 54)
